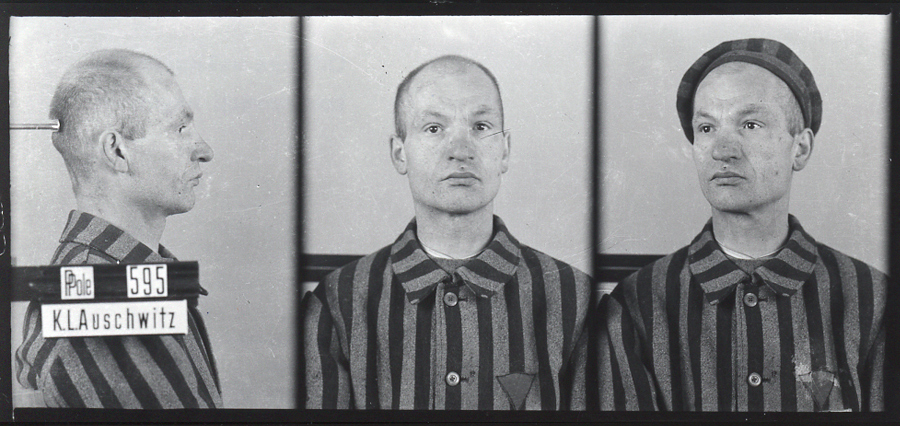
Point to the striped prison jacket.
(395, 331)
(155, 371)
(693, 332)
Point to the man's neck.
(456, 236)
(752, 234)
(146, 228)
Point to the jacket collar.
(98, 234)
(485, 274)
(784, 274)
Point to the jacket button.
(452, 378)
(754, 379)
(450, 299)
(750, 299)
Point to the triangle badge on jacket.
(516, 386)
(819, 384)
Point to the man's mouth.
(461, 175)
(462, 178)
(726, 177)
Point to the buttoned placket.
(458, 303)
(752, 372)
(770, 375)
(740, 371)
(470, 333)
(752, 316)
(451, 307)
(439, 346)
(447, 366)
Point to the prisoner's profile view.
(134, 158)
(456, 313)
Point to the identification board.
(114, 318)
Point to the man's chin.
(732, 208)
(460, 209)
(179, 209)
(726, 204)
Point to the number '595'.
(147, 281)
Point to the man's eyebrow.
(702, 114)
(481, 110)
(484, 109)
(752, 109)
(432, 113)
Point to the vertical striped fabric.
(395, 331)
(693, 332)
(162, 371)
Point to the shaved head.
(107, 90)
(448, 64)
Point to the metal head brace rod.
(54, 125)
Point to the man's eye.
(704, 128)
(433, 129)
(751, 125)
(482, 126)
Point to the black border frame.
(444, 7)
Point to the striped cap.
(769, 54)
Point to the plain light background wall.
(651, 201)
(354, 200)
(240, 76)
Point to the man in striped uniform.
(129, 144)
(456, 313)
(754, 314)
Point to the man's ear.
(803, 146)
(504, 161)
(114, 151)
(398, 154)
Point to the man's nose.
(462, 145)
(726, 146)
(202, 152)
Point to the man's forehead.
(170, 105)
(445, 85)
(469, 86)
(450, 72)
(742, 81)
